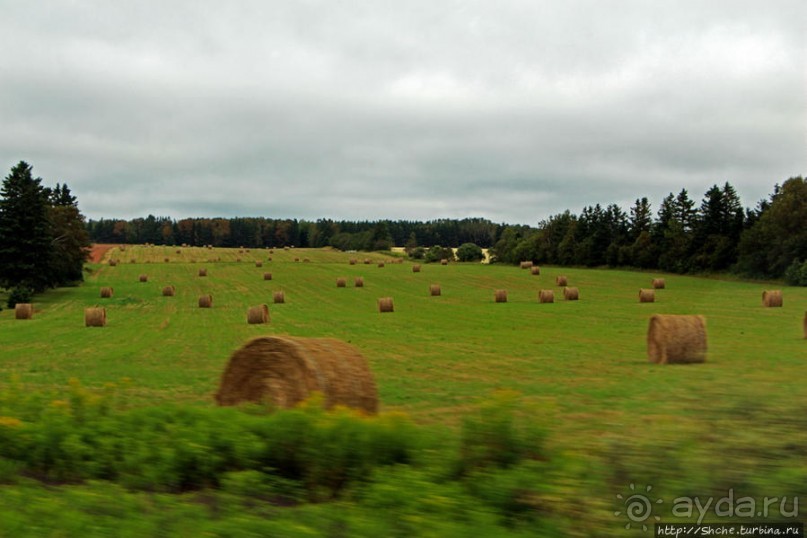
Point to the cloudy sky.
(511, 110)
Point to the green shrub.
(796, 273)
(469, 252)
(19, 294)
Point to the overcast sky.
(417, 109)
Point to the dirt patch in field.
(97, 252)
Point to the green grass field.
(582, 364)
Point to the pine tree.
(25, 233)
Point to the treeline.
(257, 232)
(769, 241)
(43, 240)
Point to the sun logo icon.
(638, 507)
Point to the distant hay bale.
(284, 371)
(144, 278)
(381, 264)
(500, 296)
(674, 339)
(367, 261)
(399, 260)
(258, 264)
(435, 290)
(133, 260)
(561, 280)
(416, 268)
(546, 296)
(444, 261)
(206, 301)
(306, 260)
(535, 270)
(772, 298)
(246, 250)
(647, 296)
(24, 311)
(166, 260)
(359, 282)
(178, 251)
(169, 291)
(203, 271)
(241, 250)
(94, 317)
(279, 297)
(659, 284)
(385, 305)
(267, 276)
(238, 260)
(269, 259)
(297, 259)
(122, 248)
(258, 314)
(571, 294)
(341, 282)
(352, 261)
(106, 292)
(113, 263)
(525, 265)
(271, 251)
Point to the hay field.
(585, 360)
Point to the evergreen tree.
(25, 232)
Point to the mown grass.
(582, 364)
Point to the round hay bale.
(241, 250)
(267, 276)
(133, 260)
(772, 298)
(381, 264)
(674, 339)
(647, 296)
(385, 305)
(571, 294)
(271, 251)
(106, 292)
(123, 248)
(352, 261)
(258, 314)
(435, 290)
(546, 296)
(178, 251)
(659, 284)
(169, 291)
(500, 296)
(296, 259)
(203, 271)
(279, 297)
(306, 260)
(269, 259)
(535, 270)
(258, 264)
(444, 261)
(166, 260)
(341, 282)
(94, 317)
(525, 265)
(23, 311)
(284, 371)
(238, 260)
(113, 263)
(561, 280)
(416, 268)
(144, 278)
(359, 282)
(206, 301)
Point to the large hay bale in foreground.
(416, 268)
(647, 296)
(94, 317)
(169, 291)
(341, 282)
(772, 298)
(206, 301)
(546, 296)
(535, 270)
(106, 292)
(659, 284)
(561, 280)
(23, 311)
(359, 282)
(258, 314)
(385, 305)
(144, 278)
(278, 297)
(284, 371)
(434, 290)
(676, 339)
(571, 294)
(500, 296)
